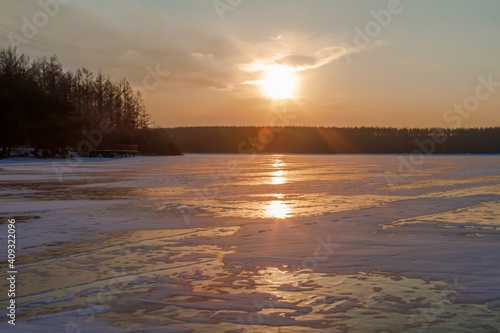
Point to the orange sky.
(356, 63)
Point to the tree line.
(51, 109)
(327, 140)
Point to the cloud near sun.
(278, 78)
(300, 62)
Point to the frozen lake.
(268, 243)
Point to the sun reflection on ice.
(278, 162)
(278, 177)
(278, 209)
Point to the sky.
(420, 63)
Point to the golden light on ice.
(279, 83)
(278, 177)
(278, 163)
(277, 210)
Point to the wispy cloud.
(301, 62)
(199, 55)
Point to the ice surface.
(215, 243)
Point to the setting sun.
(279, 83)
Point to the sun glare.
(279, 83)
(278, 177)
(278, 210)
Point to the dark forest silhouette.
(336, 140)
(51, 109)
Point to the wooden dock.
(117, 150)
